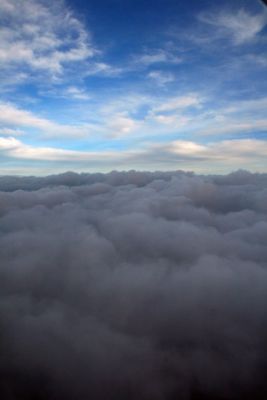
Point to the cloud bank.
(133, 286)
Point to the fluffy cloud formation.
(42, 35)
(133, 285)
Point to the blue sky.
(132, 84)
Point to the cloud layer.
(224, 156)
(133, 285)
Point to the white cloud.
(9, 143)
(224, 155)
(11, 116)
(156, 57)
(125, 104)
(146, 115)
(161, 78)
(222, 150)
(14, 148)
(187, 148)
(43, 36)
(231, 126)
(241, 26)
(178, 103)
(104, 69)
(237, 117)
(66, 92)
(241, 148)
(259, 60)
(165, 119)
(75, 93)
(255, 105)
(153, 58)
(11, 132)
(121, 125)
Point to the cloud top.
(133, 285)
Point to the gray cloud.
(133, 285)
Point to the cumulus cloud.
(133, 285)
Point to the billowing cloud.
(133, 285)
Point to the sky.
(146, 85)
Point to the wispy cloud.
(15, 148)
(180, 102)
(173, 112)
(12, 117)
(11, 132)
(236, 117)
(186, 154)
(46, 40)
(241, 26)
(67, 92)
(42, 36)
(161, 78)
(121, 125)
(159, 56)
(136, 116)
(103, 69)
(76, 93)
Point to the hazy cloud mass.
(134, 286)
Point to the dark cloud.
(134, 286)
